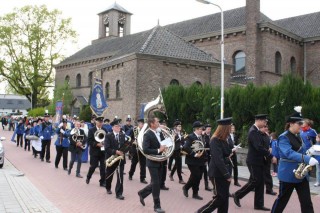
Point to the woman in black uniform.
(219, 168)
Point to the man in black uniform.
(128, 125)
(233, 141)
(206, 141)
(195, 162)
(97, 154)
(113, 142)
(257, 154)
(136, 155)
(163, 123)
(151, 145)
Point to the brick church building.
(134, 66)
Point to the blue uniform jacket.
(36, 130)
(275, 148)
(46, 132)
(27, 132)
(309, 137)
(20, 129)
(108, 127)
(290, 159)
(65, 138)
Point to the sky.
(147, 13)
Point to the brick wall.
(313, 62)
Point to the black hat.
(39, 119)
(46, 114)
(261, 117)
(225, 121)
(116, 121)
(93, 116)
(35, 121)
(106, 120)
(64, 121)
(99, 119)
(177, 123)
(207, 125)
(141, 120)
(197, 124)
(294, 117)
(128, 119)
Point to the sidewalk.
(18, 194)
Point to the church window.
(121, 22)
(90, 79)
(118, 94)
(67, 79)
(239, 61)
(293, 65)
(174, 82)
(78, 80)
(107, 90)
(278, 60)
(106, 24)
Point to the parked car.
(1, 152)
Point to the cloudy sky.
(146, 13)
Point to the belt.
(287, 160)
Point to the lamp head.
(204, 1)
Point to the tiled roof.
(117, 7)
(305, 26)
(12, 102)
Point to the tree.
(63, 93)
(31, 41)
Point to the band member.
(292, 151)
(219, 168)
(46, 134)
(36, 144)
(206, 140)
(151, 145)
(136, 155)
(128, 125)
(257, 154)
(97, 154)
(20, 132)
(307, 133)
(77, 145)
(179, 141)
(233, 141)
(106, 125)
(195, 161)
(27, 141)
(62, 144)
(113, 142)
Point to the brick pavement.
(70, 194)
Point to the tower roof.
(117, 7)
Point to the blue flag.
(98, 103)
(59, 105)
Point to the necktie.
(117, 137)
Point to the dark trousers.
(138, 157)
(268, 178)
(177, 164)
(172, 157)
(163, 173)
(19, 140)
(194, 179)
(35, 152)
(205, 173)
(235, 167)
(62, 152)
(285, 191)
(75, 154)
(96, 160)
(256, 181)
(109, 176)
(154, 186)
(219, 200)
(27, 144)
(45, 149)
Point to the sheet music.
(166, 142)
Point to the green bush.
(36, 112)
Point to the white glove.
(62, 131)
(41, 137)
(51, 137)
(60, 125)
(313, 161)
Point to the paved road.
(59, 191)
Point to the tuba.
(197, 146)
(156, 105)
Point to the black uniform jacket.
(256, 149)
(150, 146)
(72, 146)
(111, 145)
(94, 150)
(220, 163)
(190, 159)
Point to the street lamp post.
(222, 56)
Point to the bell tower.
(114, 22)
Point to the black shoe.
(48, 161)
(143, 181)
(197, 197)
(124, 173)
(65, 169)
(159, 210)
(102, 184)
(42, 160)
(120, 197)
(130, 177)
(185, 192)
(171, 178)
(182, 182)
(164, 188)
(141, 199)
(208, 189)
(69, 171)
(236, 200)
(230, 195)
(262, 208)
(237, 184)
(79, 176)
(87, 181)
(109, 192)
(56, 167)
(271, 193)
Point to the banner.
(142, 106)
(58, 115)
(98, 103)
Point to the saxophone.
(124, 148)
(303, 168)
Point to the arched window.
(118, 94)
(293, 65)
(174, 82)
(239, 61)
(278, 60)
(67, 79)
(107, 89)
(78, 80)
(90, 79)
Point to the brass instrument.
(75, 134)
(99, 136)
(124, 148)
(32, 137)
(150, 108)
(302, 170)
(197, 146)
(136, 131)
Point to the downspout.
(304, 63)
